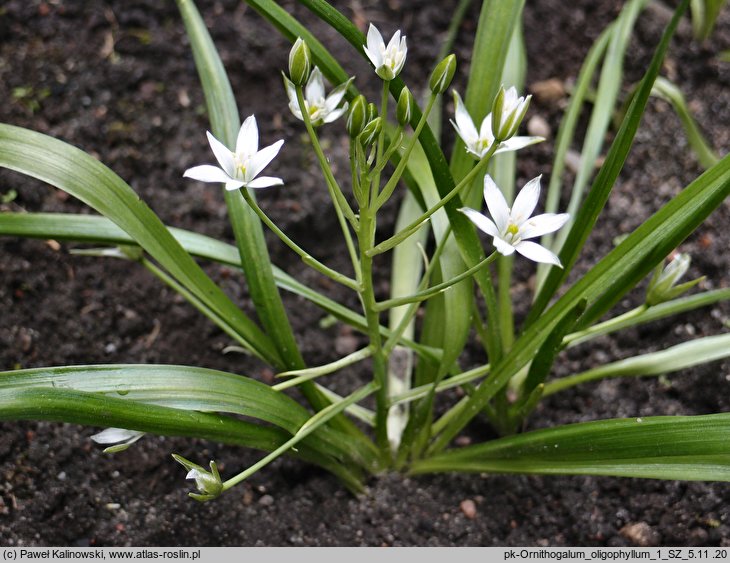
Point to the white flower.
(388, 61)
(511, 227)
(121, 437)
(239, 169)
(321, 109)
(208, 483)
(478, 142)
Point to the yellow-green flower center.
(513, 229)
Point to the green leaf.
(100, 230)
(85, 178)
(79, 407)
(181, 387)
(704, 17)
(692, 448)
(601, 189)
(682, 356)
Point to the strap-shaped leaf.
(87, 179)
(182, 387)
(692, 448)
(100, 230)
(79, 407)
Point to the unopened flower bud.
(371, 132)
(442, 75)
(300, 62)
(357, 118)
(208, 483)
(404, 110)
(508, 110)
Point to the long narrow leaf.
(692, 448)
(84, 177)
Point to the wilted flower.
(511, 227)
(120, 437)
(478, 142)
(663, 285)
(320, 109)
(388, 61)
(239, 169)
(508, 111)
(208, 483)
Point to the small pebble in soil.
(548, 91)
(266, 500)
(640, 533)
(538, 126)
(469, 508)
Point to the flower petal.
(265, 182)
(517, 143)
(222, 153)
(526, 201)
(117, 435)
(247, 142)
(334, 114)
(394, 43)
(234, 185)
(496, 204)
(314, 91)
(375, 46)
(336, 95)
(481, 221)
(543, 224)
(503, 247)
(261, 160)
(207, 173)
(537, 253)
(485, 130)
(464, 125)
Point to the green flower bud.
(404, 110)
(300, 62)
(508, 110)
(357, 117)
(442, 75)
(371, 132)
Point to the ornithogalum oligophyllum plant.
(459, 229)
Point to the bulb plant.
(441, 267)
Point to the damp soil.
(117, 79)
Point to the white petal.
(248, 138)
(291, 91)
(542, 224)
(335, 97)
(464, 124)
(526, 201)
(496, 203)
(332, 115)
(222, 154)
(261, 160)
(503, 247)
(116, 435)
(485, 131)
(234, 185)
(207, 173)
(374, 58)
(265, 182)
(517, 143)
(394, 43)
(482, 221)
(537, 253)
(375, 46)
(314, 91)
(294, 107)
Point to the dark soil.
(117, 79)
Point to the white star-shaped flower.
(388, 61)
(239, 169)
(512, 227)
(478, 142)
(321, 109)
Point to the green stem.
(302, 375)
(450, 383)
(393, 181)
(418, 223)
(304, 255)
(342, 208)
(605, 327)
(305, 430)
(435, 290)
(375, 184)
